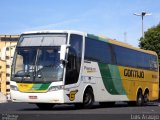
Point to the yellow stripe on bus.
(133, 79)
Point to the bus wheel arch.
(88, 97)
(140, 98)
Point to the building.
(7, 47)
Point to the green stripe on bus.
(39, 86)
(36, 86)
(111, 79)
(45, 86)
(97, 37)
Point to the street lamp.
(142, 14)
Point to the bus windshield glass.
(38, 62)
(42, 40)
(37, 65)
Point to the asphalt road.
(25, 111)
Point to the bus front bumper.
(47, 97)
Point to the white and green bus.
(72, 67)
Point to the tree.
(151, 40)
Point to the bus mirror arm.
(64, 62)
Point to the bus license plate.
(33, 97)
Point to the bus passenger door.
(73, 68)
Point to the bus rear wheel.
(146, 98)
(88, 99)
(45, 106)
(140, 100)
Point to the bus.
(66, 66)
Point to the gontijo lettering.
(133, 73)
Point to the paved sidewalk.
(3, 98)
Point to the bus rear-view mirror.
(63, 52)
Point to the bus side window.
(153, 63)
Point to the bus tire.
(140, 100)
(88, 98)
(146, 98)
(45, 106)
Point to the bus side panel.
(106, 81)
(89, 76)
(112, 83)
(134, 79)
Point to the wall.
(8, 41)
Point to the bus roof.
(99, 37)
(54, 31)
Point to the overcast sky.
(111, 18)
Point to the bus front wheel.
(88, 98)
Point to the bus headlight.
(55, 88)
(12, 87)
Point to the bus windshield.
(37, 64)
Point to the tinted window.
(74, 59)
(125, 56)
(133, 58)
(153, 63)
(96, 50)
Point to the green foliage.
(151, 40)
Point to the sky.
(110, 18)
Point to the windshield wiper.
(22, 75)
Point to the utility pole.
(125, 37)
(142, 14)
